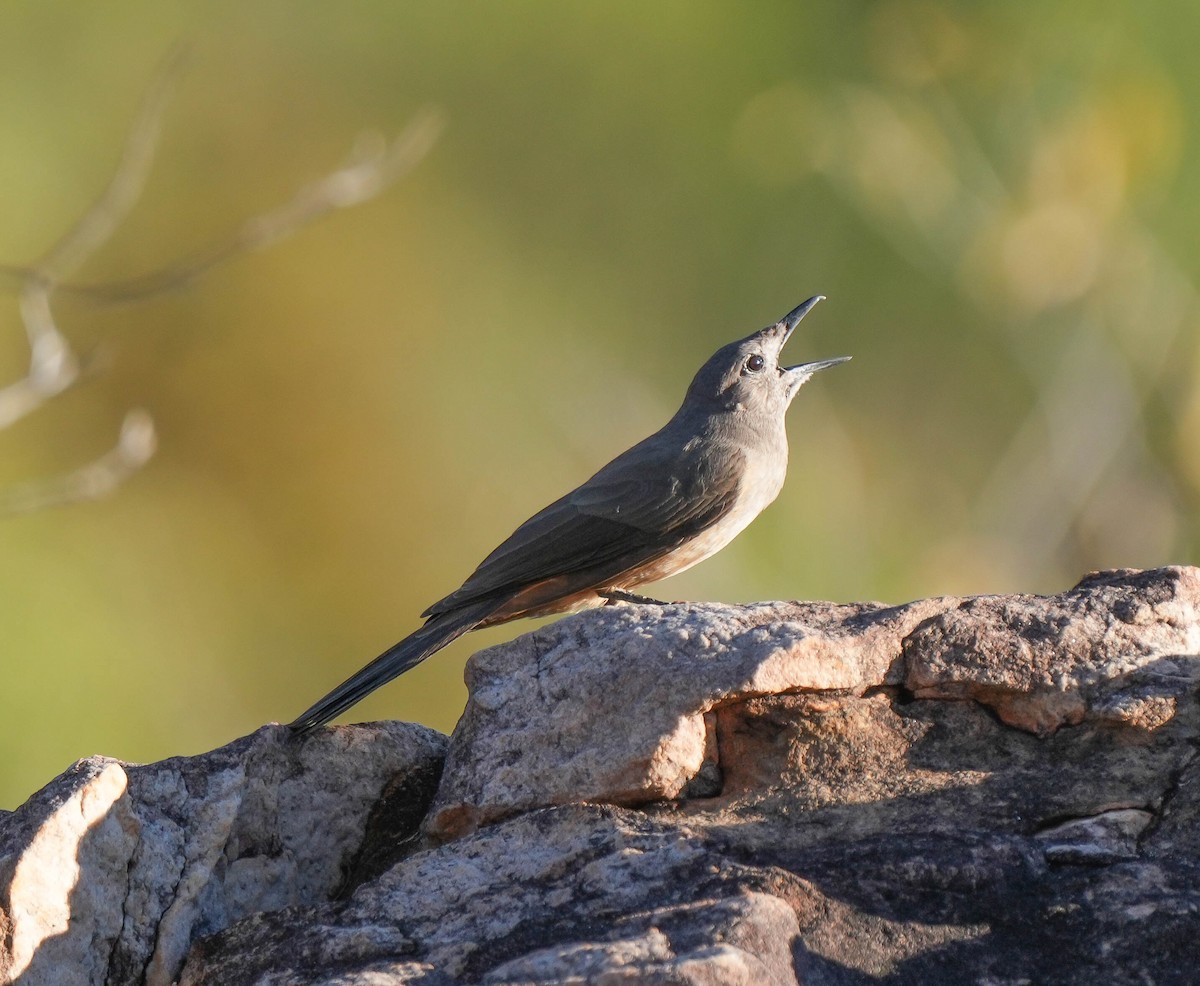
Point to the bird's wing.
(640, 506)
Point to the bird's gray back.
(641, 506)
(697, 475)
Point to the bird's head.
(746, 375)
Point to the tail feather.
(409, 652)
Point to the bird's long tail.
(411, 651)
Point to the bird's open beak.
(777, 335)
(797, 376)
(792, 318)
(808, 369)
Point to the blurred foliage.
(999, 200)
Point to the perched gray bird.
(655, 510)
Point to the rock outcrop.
(113, 870)
(984, 790)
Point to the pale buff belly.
(757, 496)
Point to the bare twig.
(53, 365)
(134, 448)
(98, 224)
(373, 166)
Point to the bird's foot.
(613, 596)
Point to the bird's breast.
(761, 480)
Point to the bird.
(657, 509)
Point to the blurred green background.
(1000, 201)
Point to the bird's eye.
(755, 363)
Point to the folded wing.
(638, 508)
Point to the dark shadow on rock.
(393, 829)
(922, 819)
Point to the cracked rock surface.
(960, 790)
(110, 872)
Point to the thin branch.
(53, 365)
(98, 224)
(135, 447)
(373, 166)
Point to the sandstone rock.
(588, 892)
(989, 790)
(1045, 662)
(620, 705)
(611, 706)
(110, 872)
